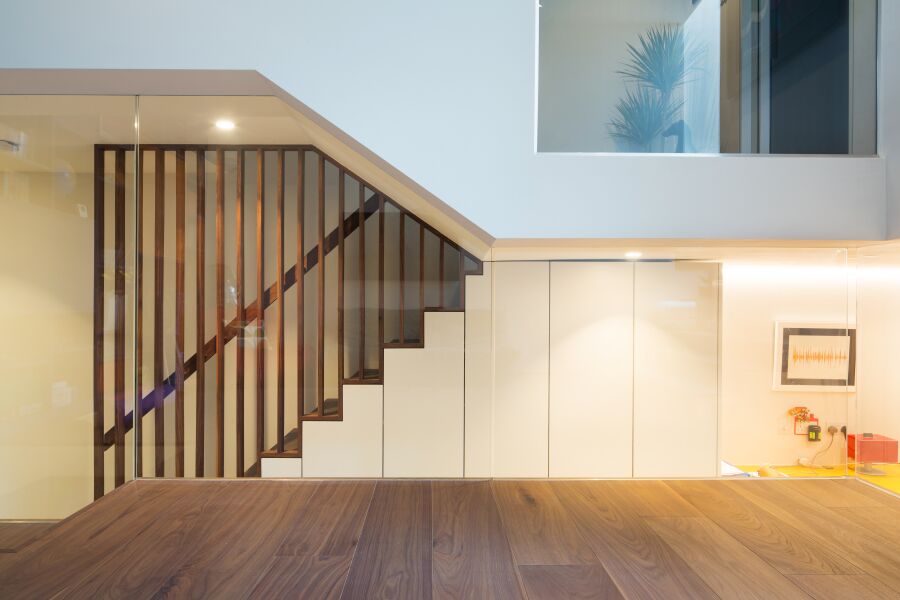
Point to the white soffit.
(297, 121)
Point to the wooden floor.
(774, 540)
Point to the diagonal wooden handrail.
(351, 223)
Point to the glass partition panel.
(788, 362)
(873, 442)
(66, 274)
(628, 76)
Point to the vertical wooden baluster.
(179, 313)
(201, 314)
(260, 304)
(320, 345)
(340, 283)
(280, 287)
(99, 266)
(381, 287)
(422, 283)
(241, 314)
(441, 272)
(119, 315)
(362, 282)
(158, 299)
(402, 276)
(138, 411)
(300, 269)
(462, 279)
(220, 313)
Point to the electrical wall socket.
(837, 425)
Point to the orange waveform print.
(821, 356)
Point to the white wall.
(446, 108)
(755, 428)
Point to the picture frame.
(814, 357)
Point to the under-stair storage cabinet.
(591, 327)
(676, 340)
(521, 359)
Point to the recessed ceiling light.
(224, 124)
(633, 255)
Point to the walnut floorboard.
(15, 536)
(640, 563)
(728, 567)
(837, 493)
(236, 540)
(48, 565)
(142, 563)
(314, 558)
(472, 558)
(837, 587)
(865, 548)
(551, 582)
(783, 545)
(539, 529)
(393, 559)
(883, 521)
(468, 539)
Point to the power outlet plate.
(837, 424)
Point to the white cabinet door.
(591, 333)
(676, 308)
(424, 402)
(521, 352)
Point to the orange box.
(875, 449)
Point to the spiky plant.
(643, 115)
(656, 67)
(659, 60)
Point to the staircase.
(365, 270)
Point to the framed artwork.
(815, 357)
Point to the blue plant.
(643, 115)
(656, 67)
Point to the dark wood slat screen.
(220, 312)
(200, 364)
(99, 267)
(139, 321)
(159, 224)
(261, 306)
(320, 292)
(340, 282)
(241, 315)
(300, 267)
(279, 277)
(119, 316)
(179, 312)
(353, 214)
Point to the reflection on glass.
(706, 76)
(53, 278)
(628, 76)
(873, 445)
(785, 315)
